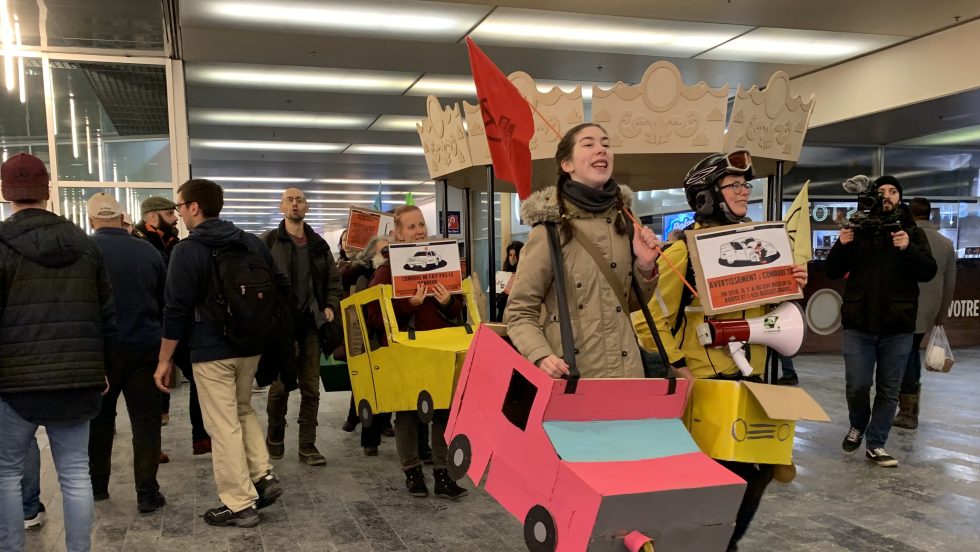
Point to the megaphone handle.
(737, 350)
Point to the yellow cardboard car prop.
(402, 370)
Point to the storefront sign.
(964, 308)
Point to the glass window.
(827, 167)
(73, 201)
(479, 213)
(22, 116)
(111, 122)
(934, 172)
(131, 25)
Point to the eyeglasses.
(177, 206)
(739, 161)
(298, 200)
(739, 187)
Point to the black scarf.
(589, 199)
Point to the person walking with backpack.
(223, 296)
(56, 314)
(315, 283)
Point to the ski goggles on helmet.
(739, 161)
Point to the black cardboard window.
(519, 400)
(355, 339)
(374, 335)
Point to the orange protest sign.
(364, 224)
(426, 263)
(743, 265)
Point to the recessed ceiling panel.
(601, 33)
(264, 118)
(795, 46)
(281, 77)
(433, 21)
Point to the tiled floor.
(358, 504)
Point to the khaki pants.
(238, 452)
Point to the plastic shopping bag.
(939, 356)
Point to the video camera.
(870, 214)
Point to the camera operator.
(883, 257)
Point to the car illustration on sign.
(747, 252)
(607, 467)
(424, 261)
(394, 370)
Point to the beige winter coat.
(605, 345)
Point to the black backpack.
(243, 298)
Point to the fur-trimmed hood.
(542, 206)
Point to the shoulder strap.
(686, 297)
(617, 288)
(604, 268)
(564, 318)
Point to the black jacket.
(56, 306)
(326, 278)
(188, 278)
(164, 242)
(882, 289)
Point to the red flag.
(507, 119)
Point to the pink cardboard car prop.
(609, 467)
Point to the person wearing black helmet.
(717, 189)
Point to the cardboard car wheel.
(365, 413)
(460, 455)
(540, 534)
(425, 407)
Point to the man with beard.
(883, 265)
(315, 284)
(159, 227)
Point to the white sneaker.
(37, 521)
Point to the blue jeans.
(69, 447)
(879, 360)
(30, 485)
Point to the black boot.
(908, 411)
(415, 482)
(275, 442)
(446, 487)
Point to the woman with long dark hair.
(510, 265)
(588, 207)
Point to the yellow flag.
(798, 226)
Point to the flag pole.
(662, 256)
